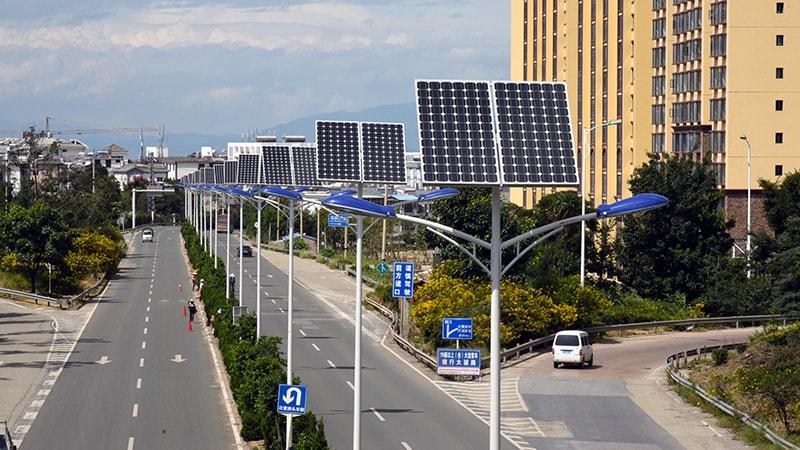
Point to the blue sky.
(210, 67)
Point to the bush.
(255, 366)
(720, 356)
(328, 252)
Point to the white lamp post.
(749, 230)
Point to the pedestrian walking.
(192, 310)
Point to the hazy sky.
(210, 67)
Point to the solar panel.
(383, 152)
(304, 165)
(535, 135)
(208, 175)
(250, 170)
(338, 155)
(456, 132)
(277, 165)
(219, 173)
(231, 168)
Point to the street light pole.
(228, 247)
(583, 191)
(258, 272)
(749, 229)
(290, 307)
(357, 345)
(494, 346)
(241, 244)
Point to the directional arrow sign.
(103, 360)
(382, 267)
(291, 399)
(178, 358)
(456, 328)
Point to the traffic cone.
(184, 312)
(190, 325)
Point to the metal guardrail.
(400, 340)
(673, 363)
(87, 292)
(35, 298)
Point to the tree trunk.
(33, 280)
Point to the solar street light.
(637, 203)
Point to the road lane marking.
(330, 363)
(141, 362)
(151, 292)
(31, 415)
(139, 383)
(144, 345)
(405, 445)
(43, 392)
(377, 414)
(147, 318)
(351, 385)
(281, 310)
(149, 299)
(711, 428)
(148, 309)
(135, 410)
(130, 443)
(301, 331)
(315, 347)
(145, 330)
(37, 403)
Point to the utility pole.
(383, 236)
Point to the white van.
(147, 235)
(572, 347)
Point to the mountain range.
(189, 142)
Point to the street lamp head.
(347, 192)
(439, 194)
(613, 122)
(240, 192)
(637, 203)
(277, 191)
(358, 206)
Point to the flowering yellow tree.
(94, 254)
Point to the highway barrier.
(35, 298)
(673, 371)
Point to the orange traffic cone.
(184, 312)
(190, 326)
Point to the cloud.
(401, 39)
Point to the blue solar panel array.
(338, 151)
(231, 169)
(383, 152)
(501, 133)
(250, 170)
(277, 165)
(304, 165)
(369, 152)
(219, 173)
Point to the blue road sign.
(450, 361)
(457, 328)
(291, 399)
(338, 221)
(403, 280)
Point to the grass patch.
(747, 434)
(14, 281)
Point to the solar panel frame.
(277, 164)
(534, 133)
(219, 173)
(383, 152)
(474, 140)
(231, 169)
(338, 151)
(304, 165)
(251, 170)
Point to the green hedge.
(255, 367)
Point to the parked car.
(572, 347)
(147, 235)
(247, 251)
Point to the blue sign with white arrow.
(291, 399)
(457, 328)
(338, 221)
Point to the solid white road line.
(405, 445)
(135, 410)
(139, 383)
(301, 331)
(145, 330)
(144, 345)
(141, 362)
(130, 443)
(351, 385)
(315, 347)
(330, 363)
(377, 414)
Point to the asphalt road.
(400, 408)
(141, 398)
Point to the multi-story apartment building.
(685, 77)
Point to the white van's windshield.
(567, 340)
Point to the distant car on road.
(147, 235)
(247, 251)
(572, 347)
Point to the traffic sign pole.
(289, 320)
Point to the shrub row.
(255, 366)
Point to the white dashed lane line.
(141, 362)
(302, 332)
(315, 347)
(405, 445)
(145, 330)
(377, 414)
(139, 383)
(330, 363)
(351, 385)
(130, 443)
(135, 412)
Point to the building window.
(779, 138)
(685, 142)
(718, 77)
(658, 115)
(687, 21)
(718, 141)
(718, 44)
(778, 105)
(686, 112)
(659, 56)
(718, 109)
(659, 28)
(686, 51)
(719, 12)
(658, 142)
(778, 170)
(779, 40)
(659, 5)
(779, 8)
(686, 82)
(658, 85)
(779, 73)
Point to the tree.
(670, 249)
(781, 200)
(32, 237)
(94, 254)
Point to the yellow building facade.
(683, 77)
